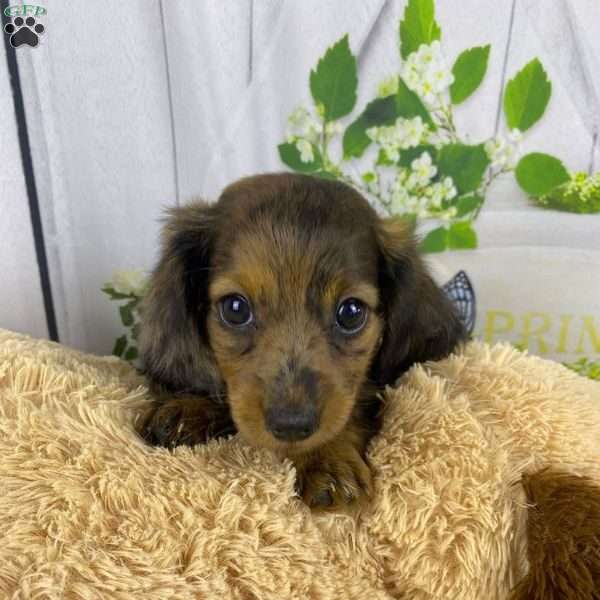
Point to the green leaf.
(383, 111)
(333, 83)
(126, 315)
(120, 345)
(527, 96)
(408, 155)
(539, 174)
(114, 295)
(435, 241)
(325, 175)
(418, 26)
(409, 105)
(290, 155)
(382, 159)
(465, 164)
(467, 204)
(131, 354)
(581, 194)
(379, 112)
(462, 236)
(468, 70)
(135, 331)
(369, 177)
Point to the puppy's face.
(293, 322)
(291, 297)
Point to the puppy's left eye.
(351, 315)
(235, 310)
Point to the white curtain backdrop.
(133, 107)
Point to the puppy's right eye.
(351, 315)
(235, 310)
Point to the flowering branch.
(421, 167)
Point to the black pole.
(34, 205)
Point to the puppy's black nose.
(291, 423)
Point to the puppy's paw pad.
(162, 425)
(331, 484)
(324, 497)
(185, 422)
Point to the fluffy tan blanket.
(87, 510)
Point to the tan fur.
(88, 510)
(275, 275)
(335, 474)
(278, 294)
(396, 237)
(563, 534)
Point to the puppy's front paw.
(185, 422)
(333, 478)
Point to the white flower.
(427, 54)
(373, 133)
(441, 78)
(399, 197)
(501, 153)
(412, 205)
(448, 189)
(423, 169)
(435, 194)
(302, 124)
(515, 136)
(387, 86)
(403, 134)
(427, 92)
(401, 177)
(387, 137)
(392, 154)
(412, 181)
(411, 77)
(447, 214)
(129, 282)
(497, 150)
(493, 148)
(413, 132)
(422, 210)
(306, 151)
(436, 138)
(426, 73)
(298, 116)
(333, 128)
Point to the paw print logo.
(24, 31)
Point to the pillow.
(479, 457)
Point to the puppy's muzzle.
(292, 423)
(292, 414)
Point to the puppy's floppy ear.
(420, 321)
(173, 341)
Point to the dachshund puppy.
(281, 312)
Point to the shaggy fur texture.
(294, 251)
(563, 531)
(88, 510)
